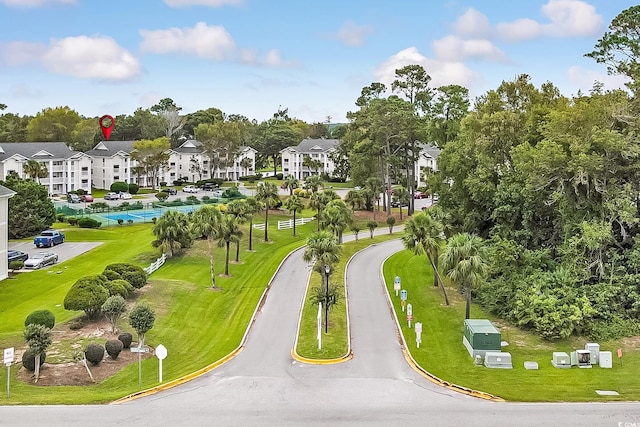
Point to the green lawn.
(443, 354)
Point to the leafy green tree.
(313, 164)
(88, 294)
(465, 263)
(229, 231)
(85, 135)
(356, 229)
(208, 116)
(267, 194)
(372, 225)
(424, 235)
(141, 318)
(113, 309)
(221, 143)
(172, 233)
(240, 210)
(153, 156)
(403, 196)
(13, 128)
(391, 221)
(205, 222)
(35, 170)
(53, 125)
(355, 198)
(619, 47)
(38, 338)
(30, 209)
(41, 317)
(276, 134)
(294, 204)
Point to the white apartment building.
(69, 170)
(112, 162)
(427, 159)
(316, 149)
(5, 195)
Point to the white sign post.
(418, 328)
(409, 314)
(403, 298)
(8, 360)
(396, 285)
(161, 353)
(320, 326)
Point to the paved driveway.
(65, 251)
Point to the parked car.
(420, 195)
(41, 259)
(398, 203)
(17, 256)
(86, 198)
(73, 198)
(218, 193)
(111, 196)
(48, 238)
(125, 196)
(170, 191)
(190, 189)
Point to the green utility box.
(481, 336)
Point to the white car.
(126, 196)
(190, 189)
(41, 259)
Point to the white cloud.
(569, 18)
(91, 57)
(441, 72)
(34, 3)
(352, 34)
(455, 49)
(211, 3)
(85, 57)
(584, 79)
(472, 24)
(203, 41)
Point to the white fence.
(156, 264)
(283, 225)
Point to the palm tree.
(372, 225)
(205, 222)
(246, 163)
(294, 204)
(172, 232)
(314, 183)
(356, 198)
(336, 217)
(267, 193)
(228, 231)
(423, 235)
(465, 262)
(253, 207)
(402, 196)
(320, 200)
(373, 187)
(323, 248)
(238, 208)
(291, 183)
(35, 170)
(356, 229)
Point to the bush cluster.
(126, 339)
(94, 353)
(114, 347)
(86, 222)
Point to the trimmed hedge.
(41, 317)
(114, 347)
(126, 339)
(29, 359)
(94, 353)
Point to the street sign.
(144, 349)
(161, 353)
(409, 319)
(396, 284)
(409, 309)
(8, 356)
(403, 295)
(418, 329)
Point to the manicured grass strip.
(335, 342)
(443, 354)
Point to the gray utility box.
(497, 359)
(605, 359)
(561, 360)
(480, 336)
(594, 348)
(581, 358)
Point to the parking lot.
(65, 251)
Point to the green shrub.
(126, 338)
(129, 221)
(94, 353)
(114, 347)
(163, 183)
(41, 317)
(131, 273)
(120, 221)
(76, 324)
(86, 222)
(16, 265)
(29, 359)
(72, 220)
(60, 217)
(119, 287)
(111, 275)
(88, 294)
(133, 188)
(119, 186)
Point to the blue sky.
(252, 57)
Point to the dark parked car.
(17, 256)
(209, 186)
(398, 203)
(170, 191)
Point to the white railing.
(156, 264)
(283, 225)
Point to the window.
(116, 167)
(85, 169)
(116, 178)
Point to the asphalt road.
(65, 251)
(264, 385)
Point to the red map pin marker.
(106, 124)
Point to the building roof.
(6, 192)
(110, 148)
(40, 151)
(430, 150)
(315, 145)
